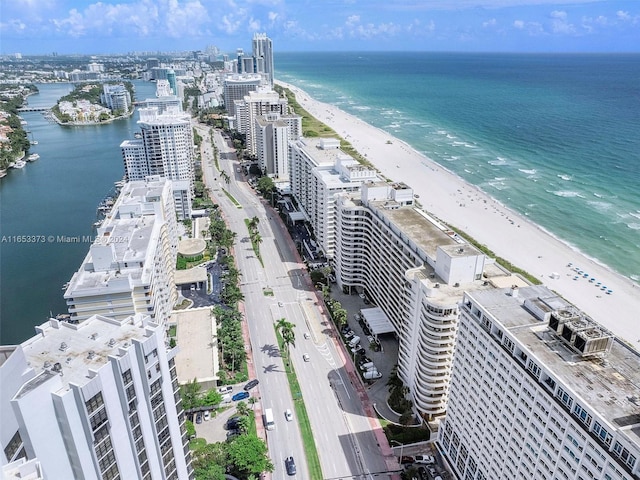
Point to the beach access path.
(508, 234)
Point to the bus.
(269, 422)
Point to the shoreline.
(507, 233)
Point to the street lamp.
(401, 448)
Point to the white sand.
(506, 233)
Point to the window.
(582, 415)
(94, 403)
(564, 398)
(602, 434)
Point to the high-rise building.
(539, 390)
(256, 103)
(116, 97)
(130, 266)
(263, 55)
(415, 271)
(165, 149)
(95, 400)
(273, 132)
(171, 78)
(236, 87)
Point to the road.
(342, 431)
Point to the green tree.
(288, 334)
(248, 455)
(209, 460)
(242, 408)
(265, 185)
(190, 393)
(212, 397)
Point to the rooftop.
(609, 383)
(70, 351)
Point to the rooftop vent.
(47, 364)
(456, 284)
(112, 342)
(94, 336)
(57, 367)
(63, 347)
(514, 291)
(91, 354)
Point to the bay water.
(47, 210)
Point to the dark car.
(364, 360)
(290, 465)
(362, 351)
(366, 331)
(240, 396)
(251, 384)
(406, 460)
(345, 329)
(199, 418)
(232, 423)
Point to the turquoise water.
(51, 198)
(554, 137)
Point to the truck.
(269, 422)
(354, 341)
(372, 374)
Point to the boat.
(33, 142)
(33, 157)
(19, 164)
(137, 135)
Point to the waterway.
(47, 210)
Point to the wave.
(636, 214)
(601, 206)
(531, 171)
(498, 162)
(361, 107)
(634, 226)
(566, 193)
(564, 176)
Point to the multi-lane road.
(344, 439)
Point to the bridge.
(34, 109)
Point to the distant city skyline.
(40, 27)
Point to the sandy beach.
(506, 233)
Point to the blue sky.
(121, 26)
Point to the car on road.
(280, 304)
(426, 459)
(306, 357)
(251, 384)
(306, 335)
(288, 416)
(290, 465)
(240, 396)
(225, 389)
(207, 416)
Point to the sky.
(38, 27)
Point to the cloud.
(559, 23)
(490, 23)
(352, 20)
(519, 24)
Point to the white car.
(280, 304)
(306, 335)
(207, 415)
(426, 459)
(225, 389)
(288, 416)
(306, 357)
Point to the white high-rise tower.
(263, 55)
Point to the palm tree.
(242, 408)
(252, 401)
(288, 335)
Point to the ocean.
(554, 137)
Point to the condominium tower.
(273, 133)
(263, 55)
(539, 390)
(98, 400)
(130, 266)
(236, 87)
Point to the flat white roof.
(377, 321)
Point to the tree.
(252, 401)
(209, 460)
(248, 455)
(265, 185)
(212, 397)
(190, 393)
(242, 408)
(288, 335)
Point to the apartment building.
(165, 148)
(262, 49)
(130, 266)
(262, 101)
(539, 390)
(416, 271)
(98, 400)
(116, 97)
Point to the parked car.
(366, 330)
(225, 389)
(207, 416)
(306, 357)
(240, 396)
(356, 348)
(290, 464)
(232, 423)
(198, 418)
(288, 416)
(405, 459)
(345, 328)
(427, 459)
(349, 334)
(362, 351)
(251, 384)
(364, 360)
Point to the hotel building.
(318, 170)
(130, 266)
(236, 87)
(539, 390)
(98, 400)
(415, 271)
